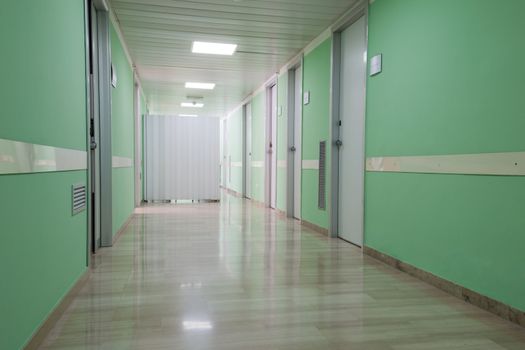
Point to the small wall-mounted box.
(113, 76)
(376, 65)
(306, 97)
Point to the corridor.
(235, 275)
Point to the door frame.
(291, 125)
(360, 10)
(269, 148)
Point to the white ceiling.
(159, 35)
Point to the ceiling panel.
(159, 35)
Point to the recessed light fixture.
(192, 104)
(188, 115)
(197, 325)
(213, 48)
(202, 86)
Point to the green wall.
(258, 144)
(43, 251)
(316, 120)
(235, 132)
(282, 137)
(448, 86)
(122, 134)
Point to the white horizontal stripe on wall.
(281, 164)
(258, 164)
(311, 164)
(506, 164)
(21, 158)
(236, 164)
(122, 162)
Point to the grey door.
(352, 116)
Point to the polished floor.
(237, 276)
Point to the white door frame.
(355, 14)
(294, 152)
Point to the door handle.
(338, 143)
(293, 149)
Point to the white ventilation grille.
(321, 199)
(78, 197)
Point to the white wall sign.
(376, 64)
(306, 97)
(113, 76)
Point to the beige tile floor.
(236, 276)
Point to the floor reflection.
(235, 275)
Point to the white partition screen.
(182, 158)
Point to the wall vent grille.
(321, 198)
(78, 198)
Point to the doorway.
(351, 128)
(271, 141)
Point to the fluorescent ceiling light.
(203, 86)
(188, 115)
(192, 104)
(213, 48)
(197, 325)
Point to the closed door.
(94, 165)
(298, 118)
(248, 138)
(351, 153)
(273, 147)
(224, 160)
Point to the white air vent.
(321, 198)
(78, 197)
